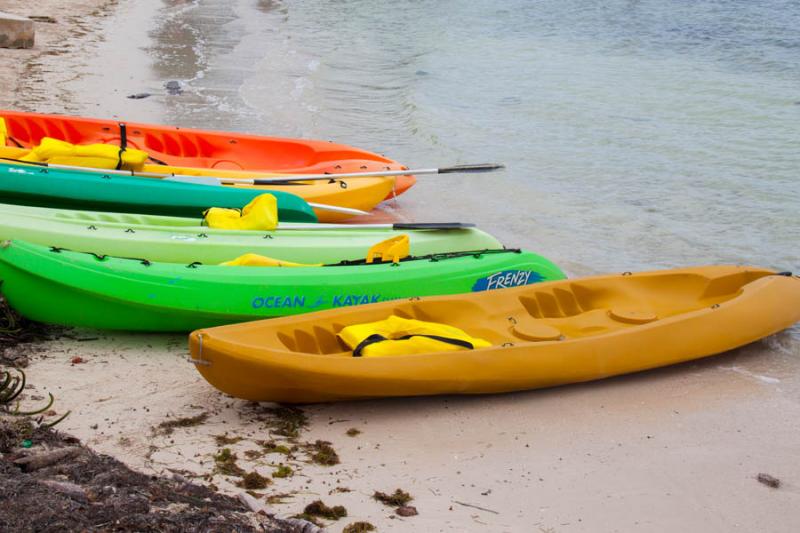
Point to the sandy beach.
(674, 449)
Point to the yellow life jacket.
(403, 336)
(260, 214)
(105, 156)
(255, 260)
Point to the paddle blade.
(431, 225)
(482, 167)
(197, 180)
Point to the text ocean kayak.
(541, 335)
(184, 240)
(81, 289)
(204, 149)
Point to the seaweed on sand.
(16, 331)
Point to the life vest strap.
(375, 338)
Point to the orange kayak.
(204, 149)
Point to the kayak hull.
(79, 289)
(70, 189)
(204, 149)
(543, 335)
(185, 240)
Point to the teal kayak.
(186, 240)
(75, 189)
(92, 290)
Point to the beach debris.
(224, 440)
(225, 462)
(478, 507)
(16, 31)
(16, 331)
(768, 480)
(10, 389)
(286, 421)
(399, 498)
(280, 497)
(406, 510)
(307, 518)
(252, 503)
(322, 453)
(85, 491)
(68, 489)
(253, 481)
(283, 471)
(358, 527)
(139, 96)
(31, 463)
(168, 427)
(77, 360)
(173, 87)
(318, 508)
(353, 432)
(270, 446)
(300, 525)
(43, 18)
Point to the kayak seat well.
(178, 145)
(318, 340)
(31, 131)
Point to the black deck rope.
(435, 258)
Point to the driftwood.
(31, 463)
(475, 507)
(295, 525)
(71, 490)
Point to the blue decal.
(506, 279)
(340, 300)
(278, 302)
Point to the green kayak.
(79, 289)
(184, 240)
(74, 189)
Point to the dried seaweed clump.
(225, 462)
(253, 481)
(318, 508)
(398, 499)
(322, 453)
(358, 527)
(168, 426)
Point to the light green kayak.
(184, 240)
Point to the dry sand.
(674, 449)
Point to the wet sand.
(673, 449)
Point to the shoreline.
(675, 448)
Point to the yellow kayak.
(541, 335)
